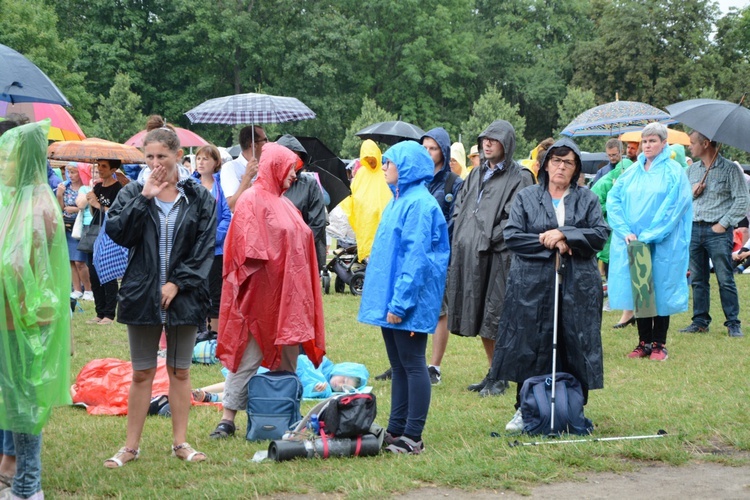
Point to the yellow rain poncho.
(34, 285)
(458, 153)
(370, 195)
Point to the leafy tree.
(489, 107)
(119, 113)
(576, 102)
(369, 114)
(30, 27)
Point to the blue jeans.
(706, 244)
(6, 443)
(410, 387)
(28, 478)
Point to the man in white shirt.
(238, 174)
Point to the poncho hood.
(370, 150)
(273, 167)
(414, 164)
(458, 153)
(543, 176)
(440, 135)
(678, 154)
(291, 142)
(502, 131)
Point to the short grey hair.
(614, 143)
(655, 128)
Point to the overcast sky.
(725, 4)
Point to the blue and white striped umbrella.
(249, 109)
(615, 118)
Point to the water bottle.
(314, 425)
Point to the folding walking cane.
(558, 280)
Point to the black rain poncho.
(524, 342)
(480, 258)
(34, 285)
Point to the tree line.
(450, 63)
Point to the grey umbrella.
(22, 81)
(250, 109)
(720, 121)
(391, 132)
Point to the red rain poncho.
(271, 284)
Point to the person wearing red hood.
(271, 299)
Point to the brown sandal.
(118, 461)
(193, 456)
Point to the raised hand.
(156, 182)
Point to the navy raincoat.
(437, 185)
(409, 259)
(523, 347)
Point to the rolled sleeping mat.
(280, 450)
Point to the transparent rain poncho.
(34, 285)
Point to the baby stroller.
(347, 269)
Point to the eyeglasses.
(260, 140)
(388, 164)
(557, 162)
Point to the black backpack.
(348, 415)
(273, 404)
(536, 395)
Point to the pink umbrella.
(187, 138)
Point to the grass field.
(700, 396)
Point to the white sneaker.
(516, 423)
(76, 295)
(89, 295)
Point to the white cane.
(558, 272)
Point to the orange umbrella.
(187, 138)
(90, 150)
(64, 126)
(673, 137)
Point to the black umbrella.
(391, 132)
(22, 81)
(720, 121)
(592, 162)
(329, 167)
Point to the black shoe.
(493, 388)
(434, 375)
(735, 331)
(478, 387)
(386, 375)
(694, 328)
(629, 322)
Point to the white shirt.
(231, 175)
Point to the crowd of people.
(471, 249)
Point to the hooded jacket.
(436, 186)
(657, 206)
(133, 222)
(480, 259)
(271, 286)
(406, 272)
(523, 346)
(370, 195)
(305, 192)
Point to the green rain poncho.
(34, 285)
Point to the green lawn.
(699, 396)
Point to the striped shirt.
(168, 212)
(725, 199)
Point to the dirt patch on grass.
(695, 480)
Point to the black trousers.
(653, 329)
(105, 294)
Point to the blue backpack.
(273, 404)
(536, 395)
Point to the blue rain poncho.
(657, 206)
(409, 259)
(310, 376)
(34, 285)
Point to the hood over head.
(291, 142)
(23, 150)
(413, 162)
(274, 166)
(543, 177)
(677, 153)
(440, 135)
(370, 150)
(502, 131)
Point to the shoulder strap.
(449, 182)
